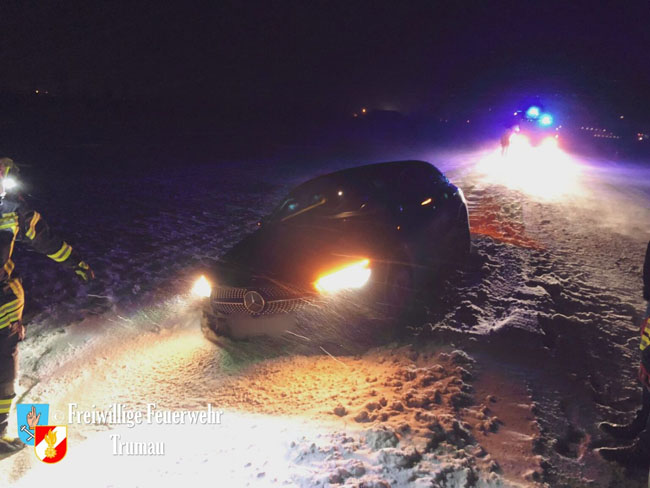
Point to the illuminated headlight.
(550, 142)
(519, 141)
(352, 276)
(202, 288)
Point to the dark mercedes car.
(361, 239)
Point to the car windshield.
(356, 192)
(323, 198)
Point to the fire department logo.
(254, 302)
(51, 442)
(29, 416)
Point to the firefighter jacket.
(644, 367)
(19, 222)
(646, 275)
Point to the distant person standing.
(637, 453)
(505, 141)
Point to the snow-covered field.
(501, 383)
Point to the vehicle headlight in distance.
(202, 288)
(550, 142)
(354, 275)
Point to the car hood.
(295, 254)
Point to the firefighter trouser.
(12, 302)
(644, 436)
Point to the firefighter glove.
(84, 272)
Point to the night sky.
(396, 55)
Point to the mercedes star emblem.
(254, 302)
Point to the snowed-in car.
(368, 235)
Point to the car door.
(425, 211)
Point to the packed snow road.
(510, 368)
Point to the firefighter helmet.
(7, 165)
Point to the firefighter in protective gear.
(19, 222)
(505, 141)
(638, 452)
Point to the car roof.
(384, 169)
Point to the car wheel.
(460, 242)
(399, 286)
(213, 327)
(207, 326)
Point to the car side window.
(418, 184)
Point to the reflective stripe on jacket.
(19, 222)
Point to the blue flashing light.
(532, 112)
(546, 120)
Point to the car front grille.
(228, 293)
(230, 300)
